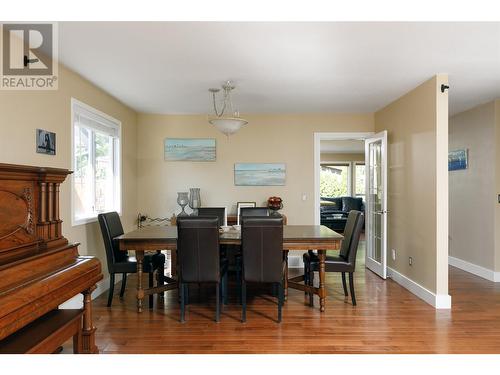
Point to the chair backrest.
(111, 227)
(198, 249)
(254, 211)
(352, 232)
(220, 212)
(262, 248)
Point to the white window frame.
(347, 164)
(76, 107)
(356, 163)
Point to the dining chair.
(199, 258)
(262, 251)
(345, 262)
(219, 212)
(120, 262)
(253, 211)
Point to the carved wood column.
(88, 332)
(57, 218)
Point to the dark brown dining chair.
(120, 262)
(199, 258)
(220, 212)
(253, 211)
(262, 251)
(345, 262)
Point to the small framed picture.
(45, 142)
(239, 205)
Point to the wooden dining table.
(295, 237)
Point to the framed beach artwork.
(189, 149)
(259, 174)
(457, 160)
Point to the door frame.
(379, 268)
(329, 136)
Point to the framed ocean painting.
(457, 160)
(259, 174)
(189, 149)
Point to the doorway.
(351, 171)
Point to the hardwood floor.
(387, 319)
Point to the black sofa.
(334, 211)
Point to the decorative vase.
(194, 200)
(182, 200)
(275, 204)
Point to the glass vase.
(194, 200)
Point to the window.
(335, 180)
(359, 183)
(96, 163)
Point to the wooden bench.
(46, 334)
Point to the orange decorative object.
(275, 204)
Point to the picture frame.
(190, 149)
(239, 205)
(259, 174)
(458, 159)
(45, 142)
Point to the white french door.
(376, 203)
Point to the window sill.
(87, 220)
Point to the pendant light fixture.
(232, 122)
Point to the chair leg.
(160, 279)
(351, 287)
(275, 290)
(281, 298)
(306, 276)
(151, 279)
(243, 301)
(226, 290)
(311, 283)
(186, 294)
(181, 290)
(217, 302)
(111, 288)
(124, 283)
(344, 285)
(238, 281)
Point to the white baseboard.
(101, 287)
(483, 272)
(439, 301)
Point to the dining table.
(295, 237)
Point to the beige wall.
(472, 190)
(24, 111)
(497, 186)
(267, 138)
(417, 180)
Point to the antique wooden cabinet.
(39, 268)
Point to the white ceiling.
(167, 67)
(343, 147)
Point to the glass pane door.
(376, 203)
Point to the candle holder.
(182, 200)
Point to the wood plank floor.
(387, 319)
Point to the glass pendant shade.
(228, 125)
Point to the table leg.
(322, 288)
(285, 286)
(140, 291)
